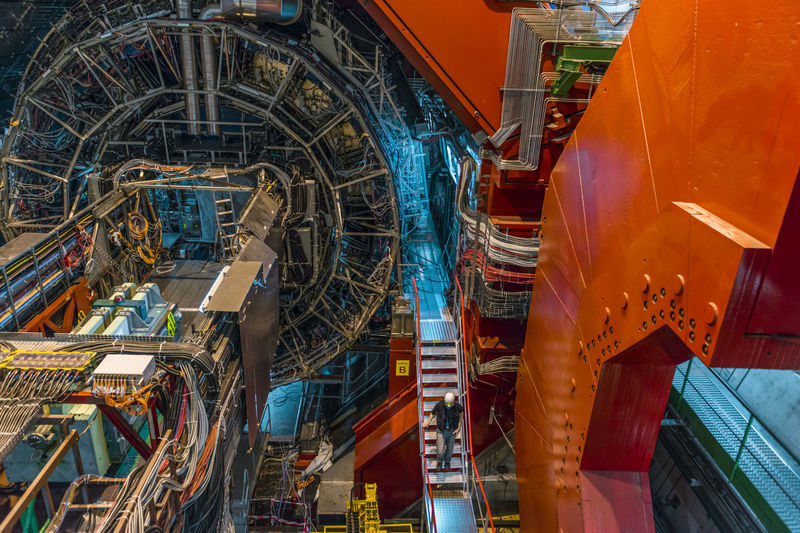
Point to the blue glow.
(452, 161)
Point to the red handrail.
(420, 412)
(466, 406)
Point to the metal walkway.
(751, 449)
(453, 514)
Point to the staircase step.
(428, 364)
(430, 436)
(438, 350)
(427, 407)
(437, 331)
(436, 392)
(430, 450)
(454, 515)
(440, 378)
(445, 477)
(455, 463)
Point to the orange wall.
(684, 165)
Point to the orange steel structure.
(460, 48)
(70, 307)
(669, 230)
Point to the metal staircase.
(438, 375)
(440, 369)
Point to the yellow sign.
(402, 367)
(171, 325)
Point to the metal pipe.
(209, 66)
(312, 217)
(183, 9)
(275, 11)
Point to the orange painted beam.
(372, 445)
(460, 49)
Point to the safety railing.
(428, 496)
(463, 398)
(40, 484)
(466, 436)
(742, 447)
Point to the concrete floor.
(334, 490)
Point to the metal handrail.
(420, 410)
(744, 438)
(465, 418)
(467, 422)
(733, 392)
(735, 395)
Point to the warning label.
(402, 367)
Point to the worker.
(449, 415)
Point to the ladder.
(448, 501)
(227, 228)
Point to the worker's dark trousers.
(444, 447)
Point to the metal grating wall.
(749, 446)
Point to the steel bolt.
(678, 284)
(710, 313)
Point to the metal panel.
(236, 285)
(259, 214)
(454, 515)
(437, 331)
(256, 250)
(448, 59)
(258, 331)
(250, 289)
(20, 244)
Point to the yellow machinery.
(363, 516)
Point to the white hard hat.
(449, 397)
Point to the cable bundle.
(508, 249)
(144, 237)
(121, 393)
(184, 450)
(492, 273)
(508, 363)
(22, 394)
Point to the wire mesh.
(755, 453)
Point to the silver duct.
(183, 8)
(275, 11)
(209, 66)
